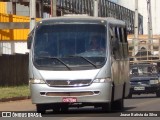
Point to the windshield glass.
(143, 70)
(70, 45)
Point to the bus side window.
(111, 36)
(119, 42)
(114, 44)
(125, 43)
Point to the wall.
(15, 34)
(3, 7)
(15, 75)
(19, 47)
(16, 38)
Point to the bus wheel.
(64, 108)
(56, 109)
(40, 109)
(106, 107)
(130, 95)
(158, 93)
(118, 104)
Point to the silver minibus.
(77, 61)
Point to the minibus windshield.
(70, 45)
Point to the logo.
(20, 114)
(68, 82)
(6, 114)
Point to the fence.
(3, 8)
(106, 9)
(14, 70)
(144, 50)
(13, 29)
(13, 34)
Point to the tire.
(106, 107)
(130, 95)
(64, 108)
(40, 109)
(158, 93)
(118, 105)
(56, 109)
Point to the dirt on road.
(21, 105)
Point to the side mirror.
(29, 42)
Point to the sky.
(114, 1)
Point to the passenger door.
(117, 61)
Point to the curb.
(14, 99)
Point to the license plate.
(69, 100)
(139, 88)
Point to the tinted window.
(65, 40)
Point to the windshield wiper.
(84, 59)
(44, 57)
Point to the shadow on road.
(86, 112)
(128, 108)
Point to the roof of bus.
(82, 18)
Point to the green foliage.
(18, 91)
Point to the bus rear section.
(70, 65)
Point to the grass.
(18, 91)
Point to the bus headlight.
(154, 81)
(36, 81)
(102, 80)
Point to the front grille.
(76, 83)
(60, 94)
(140, 82)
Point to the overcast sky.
(114, 1)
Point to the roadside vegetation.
(18, 91)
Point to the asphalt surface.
(139, 104)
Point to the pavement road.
(138, 103)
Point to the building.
(142, 7)
(14, 40)
(23, 10)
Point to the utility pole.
(32, 14)
(150, 33)
(96, 8)
(136, 20)
(53, 8)
(135, 42)
(14, 4)
(41, 8)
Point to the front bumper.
(144, 89)
(103, 96)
